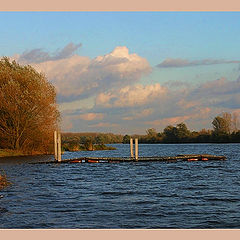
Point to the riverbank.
(15, 153)
(3, 181)
(10, 153)
(74, 148)
(85, 147)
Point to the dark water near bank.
(125, 195)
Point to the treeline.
(176, 135)
(225, 130)
(89, 141)
(95, 138)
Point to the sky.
(125, 72)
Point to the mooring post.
(59, 148)
(131, 147)
(136, 149)
(55, 145)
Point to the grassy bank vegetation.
(3, 181)
(10, 153)
(81, 147)
(17, 153)
(88, 146)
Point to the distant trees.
(152, 135)
(151, 132)
(126, 139)
(88, 141)
(88, 144)
(28, 110)
(222, 124)
(172, 134)
(95, 138)
(225, 129)
(225, 123)
(235, 122)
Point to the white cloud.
(78, 77)
(131, 96)
(105, 93)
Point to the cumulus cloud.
(131, 96)
(146, 106)
(79, 77)
(38, 55)
(178, 62)
(111, 83)
(198, 105)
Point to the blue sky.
(153, 36)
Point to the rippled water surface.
(124, 195)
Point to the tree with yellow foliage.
(28, 109)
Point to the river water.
(203, 194)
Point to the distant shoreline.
(14, 153)
(100, 147)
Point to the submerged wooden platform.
(198, 157)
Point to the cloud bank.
(78, 77)
(120, 101)
(178, 62)
(38, 55)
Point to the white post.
(59, 148)
(136, 149)
(55, 145)
(131, 147)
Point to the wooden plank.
(136, 149)
(55, 145)
(131, 147)
(59, 148)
